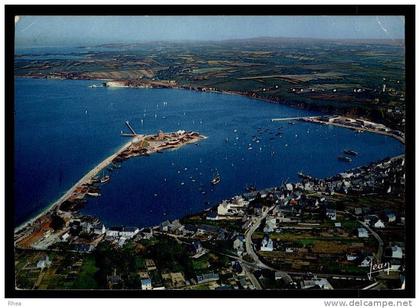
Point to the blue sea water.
(64, 128)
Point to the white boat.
(94, 194)
(105, 179)
(216, 179)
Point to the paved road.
(256, 283)
(380, 251)
(250, 246)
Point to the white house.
(270, 225)
(43, 263)
(99, 229)
(223, 209)
(164, 226)
(146, 284)
(267, 244)
(127, 232)
(322, 283)
(231, 207)
(366, 261)
(362, 233)
(113, 232)
(397, 252)
(351, 257)
(379, 224)
(238, 245)
(65, 237)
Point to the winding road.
(250, 246)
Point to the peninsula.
(36, 232)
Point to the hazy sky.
(34, 31)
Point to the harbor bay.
(74, 127)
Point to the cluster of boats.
(94, 191)
(346, 157)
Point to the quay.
(293, 119)
(359, 125)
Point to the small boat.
(105, 179)
(350, 152)
(345, 159)
(216, 179)
(94, 194)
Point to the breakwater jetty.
(359, 125)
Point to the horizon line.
(80, 45)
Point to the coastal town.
(341, 232)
